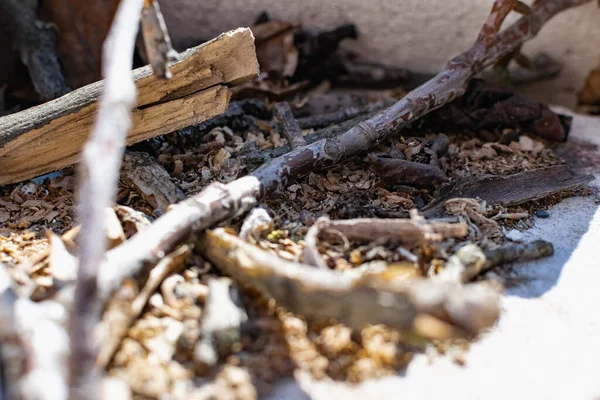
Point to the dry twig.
(288, 124)
(352, 299)
(99, 174)
(157, 41)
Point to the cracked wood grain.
(50, 136)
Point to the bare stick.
(344, 114)
(99, 175)
(407, 231)
(350, 298)
(219, 202)
(288, 124)
(157, 41)
(517, 252)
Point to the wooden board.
(50, 136)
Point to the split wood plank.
(50, 136)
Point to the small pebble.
(542, 214)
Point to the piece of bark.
(510, 190)
(351, 299)
(48, 137)
(142, 173)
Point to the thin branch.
(288, 125)
(156, 38)
(402, 172)
(341, 115)
(99, 175)
(517, 252)
(219, 202)
(500, 11)
(354, 299)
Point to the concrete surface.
(418, 34)
(547, 342)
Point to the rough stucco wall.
(417, 34)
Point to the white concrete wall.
(418, 34)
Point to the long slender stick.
(99, 174)
(219, 202)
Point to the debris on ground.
(346, 272)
